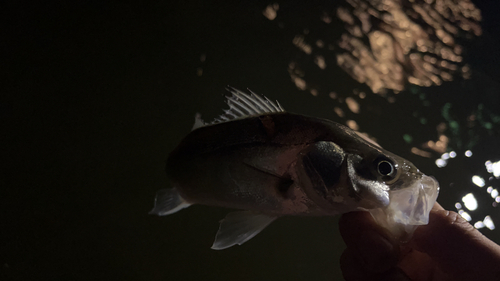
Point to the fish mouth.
(409, 207)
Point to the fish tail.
(168, 201)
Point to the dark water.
(95, 96)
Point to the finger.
(457, 247)
(376, 249)
(420, 266)
(353, 269)
(437, 207)
(351, 266)
(353, 224)
(393, 274)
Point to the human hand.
(448, 248)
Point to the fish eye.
(385, 168)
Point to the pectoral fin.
(239, 227)
(168, 201)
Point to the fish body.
(271, 163)
(257, 163)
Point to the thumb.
(456, 247)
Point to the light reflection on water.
(470, 202)
(465, 215)
(387, 44)
(479, 181)
(390, 43)
(469, 199)
(495, 169)
(494, 192)
(489, 223)
(441, 163)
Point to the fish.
(270, 163)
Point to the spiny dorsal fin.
(198, 122)
(242, 105)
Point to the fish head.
(393, 190)
(374, 173)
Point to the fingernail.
(377, 253)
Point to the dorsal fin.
(242, 105)
(198, 122)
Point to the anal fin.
(168, 201)
(239, 227)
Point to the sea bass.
(272, 163)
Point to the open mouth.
(408, 208)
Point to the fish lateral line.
(284, 184)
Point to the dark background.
(95, 95)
